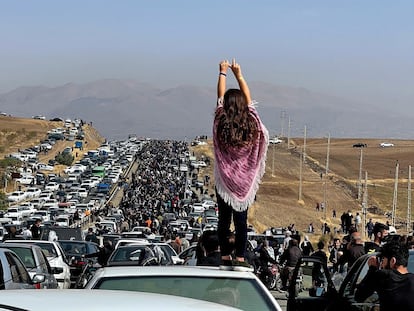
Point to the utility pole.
(304, 145)
(273, 160)
(282, 123)
(360, 175)
(288, 138)
(408, 227)
(365, 204)
(394, 199)
(300, 175)
(325, 203)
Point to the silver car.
(242, 290)
(13, 273)
(35, 262)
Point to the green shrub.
(65, 158)
(6, 162)
(3, 200)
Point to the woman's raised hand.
(224, 65)
(235, 67)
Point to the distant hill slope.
(120, 107)
(21, 133)
(278, 203)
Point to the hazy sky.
(361, 49)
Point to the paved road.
(280, 298)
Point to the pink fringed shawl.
(238, 170)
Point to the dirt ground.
(279, 202)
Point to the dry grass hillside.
(278, 203)
(20, 133)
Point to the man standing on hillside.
(370, 228)
(358, 222)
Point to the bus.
(99, 171)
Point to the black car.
(313, 288)
(75, 251)
(359, 145)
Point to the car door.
(18, 277)
(311, 287)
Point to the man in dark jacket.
(389, 277)
(354, 249)
(209, 242)
(290, 257)
(380, 232)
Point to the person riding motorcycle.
(290, 257)
(264, 259)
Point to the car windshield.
(74, 248)
(244, 294)
(135, 253)
(48, 249)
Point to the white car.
(44, 167)
(56, 257)
(103, 300)
(385, 144)
(50, 203)
(33, 192)
(25, 180)
(183, 168)
(52, 186)
(37, 203)
(275, 140)
(17, 196)
(242, 290)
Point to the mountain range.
(118, 108)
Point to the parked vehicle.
(330, 295)
(56, 257)
(386, 144)
(75, 252)
(359, 145)
(102, 300)
(17, 196)
(133, 255)
(33, 192)
(241, 290)
(13, 273)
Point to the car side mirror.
(57, 270)
(38, 278)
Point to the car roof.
(101, 300)
(199, 271)
(20, 245)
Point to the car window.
(244, 294)
(25, 255)
(42, 266)
(48, 249)
(188, 253)
(411, 262)
(18, 272)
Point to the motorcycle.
(270, 278)
(87, 273)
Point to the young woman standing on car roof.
(240, 145)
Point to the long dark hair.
(236, 126)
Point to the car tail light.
(37, 285)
